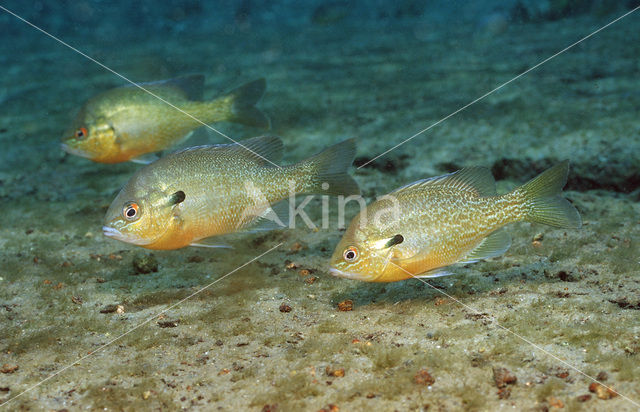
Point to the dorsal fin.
(477, 179)
(191, 85)
(261, 149)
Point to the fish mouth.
(347, 275)
(118, 235)
(75, 151)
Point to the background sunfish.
(126, 122)
(433, 223)
(212, 190)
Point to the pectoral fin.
(274, 218)
(493, 245)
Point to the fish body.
(127, 122)
(205, 191)
(420, 229)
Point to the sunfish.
(127, 123)
(420, 229)
(205, 191)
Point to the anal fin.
(145, 159)
(436, 273)
(212, 243)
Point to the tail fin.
(331, 167)
(543, 201)
(243, 100)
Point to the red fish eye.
(130, 211)
(81, 132)
(350, 254)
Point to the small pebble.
(168, 323)
(6, 368)
(555, 402)
(345, 305)
(584, 398)
(338, 373)
(503, 377)
(291, 265)
(601, 391)
(439, 301)
(329, 408)
(284, 308)
(423, 377)
(113, 308)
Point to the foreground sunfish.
(126, 123)
(419, 229)
(204, 191)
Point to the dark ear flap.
(396, 240)
(177, 197)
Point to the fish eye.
(81, 132)
(130, 211)
(350, 254)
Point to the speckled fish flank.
(211, 190)
(420, 229)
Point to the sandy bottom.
(270, 335)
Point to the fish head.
(92, 138)
(142, 215)
(372, 244)
(361, 254)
